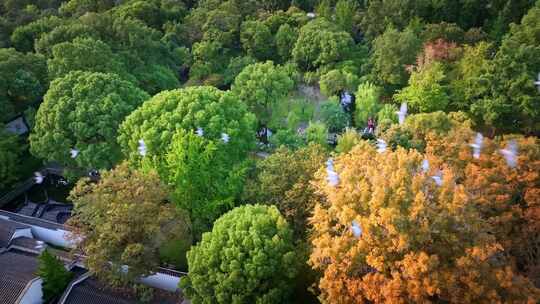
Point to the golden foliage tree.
(508, 198)
(420, 243)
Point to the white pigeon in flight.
(39, 245)
(73, 152)
(356, 229)
(200, 132)
(402, 113)
(142, 147)
(38, 177)
(333, 177)
(510, 153)
(477, 145)
(438, 178)
(381, 145)
(225, 137)
(425, 165)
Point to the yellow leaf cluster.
(420, 243)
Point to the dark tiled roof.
(32, 220)
(90, 291)
(28, 209)
(17, 269)
(7, 228)
(25, 242)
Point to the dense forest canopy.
(345, 151)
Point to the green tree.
(23, 79)
(83, 111)
(336, 81)
(392, 52)
(285, 39)
(23, 37)
(367, 103)
(287, 138)
(206, 181)
(235, 67)
(386, 116)
(138, 47)
(85, 54)
(11, 152)
(513, 102)
(209, 58)
(81, 7)
(333, 115)
(469, 83)
(345, 15)
(257, 40)
(54, 274)
(317, 133)
(321, 43)
(284, 179)
(124, 219)
(208, 108)
(427, 91)
(248, 257)
(262, 85)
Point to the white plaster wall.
(161, 281)
(55, 237)
(34, 293)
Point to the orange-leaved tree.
(507, 197)
(387, 233)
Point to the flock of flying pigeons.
(141, 148)
(509, 153)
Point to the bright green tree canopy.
(208, 108)
(206, 180)
(248, 257)
(261, 86)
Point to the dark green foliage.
(321, 43)
(235, 67)
(54, 274)
(248, 257)
(285, 39)
(23, 79)
(284, 179)
(85, 54)
(333, 115)
(11, 151)
(257, 40)
(136, 46)
(392, 52)
(513, 102)
(23, 37)
(287, 138)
